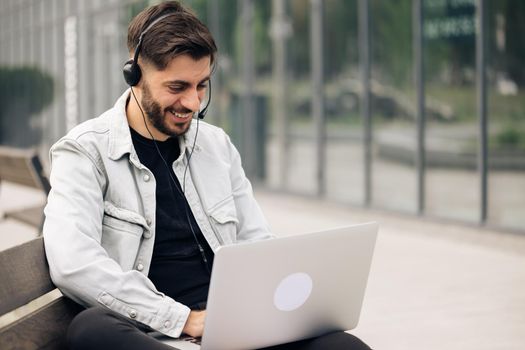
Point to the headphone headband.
(155, 21)
(131, 69)
(133, 74)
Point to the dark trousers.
(99, 328)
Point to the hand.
(195, 324)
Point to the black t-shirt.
(177, 267)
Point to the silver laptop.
(285, 289)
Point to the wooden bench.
(23, 167)
(33, 313)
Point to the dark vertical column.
(214, 17)
(280, 31)
(481, 87)
(13, 32)
(419, 76)
(316, 37)
(364, 63)
(247, 144)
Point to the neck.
(138, 121)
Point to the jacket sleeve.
(252, 223)
(79, 265)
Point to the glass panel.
(223, 20)
(225, 108)
(58, 116)
(25, 90)
(344, 154)
(506, 113)
(276, 82)
(46, 65)
(263, 120)
(302, 163)
(452, 187)
(394, 181)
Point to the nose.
(191, 100)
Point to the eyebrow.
(184, 82)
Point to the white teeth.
(179, 115)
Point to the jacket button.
(148, 221)
(147, 234)
(140, 267)
(146, 178)
(167, 324)
(132, 313)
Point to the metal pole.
(45, 65)
(56, 117)
(248, 72)
(214, 19)
(30, 33)
(280, 31)
(364, 63)
(316, 37)
(20, 33)
(215, 26)
(481, 69)
(3, 32)
(14, 33)
(85, 56)
(417, 18)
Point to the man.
(143, 195)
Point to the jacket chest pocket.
(224, 221)
(122, 231)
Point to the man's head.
(175, 57)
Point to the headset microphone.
(203, 112)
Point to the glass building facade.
(413, 106)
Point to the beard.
(157, 115)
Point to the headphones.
(132, 75)
(132, 72)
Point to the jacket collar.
(120, 142)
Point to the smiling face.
(170, 97)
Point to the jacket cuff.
(172, 321)
(169, 319)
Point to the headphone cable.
(182, 193)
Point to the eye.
(202, 86)
(176, 88)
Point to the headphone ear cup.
(131, 72)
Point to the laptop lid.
(290, 288)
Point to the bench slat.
(43, 329)
(14, 166)
(22, 167)
(24, 275)
(31, 216)
(17, 173)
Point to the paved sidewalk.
(432, 285)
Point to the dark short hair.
(180, 33)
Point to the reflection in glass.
(344, 162)
(393, 107)
(452, 186)
(506, 105)
(301, 165)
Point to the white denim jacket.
(100, 216)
